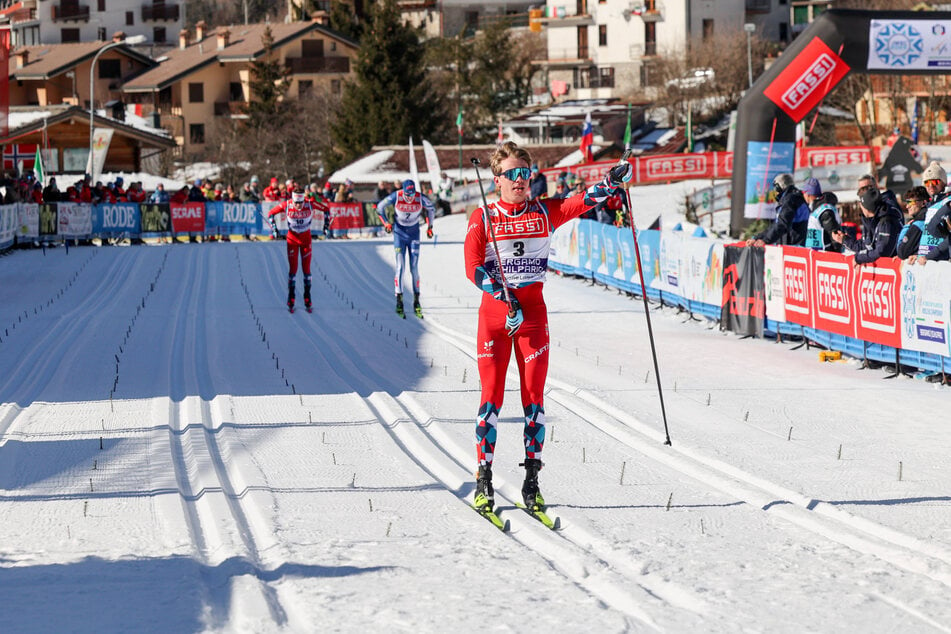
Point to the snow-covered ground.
(178, 453)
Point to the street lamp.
(135, 39)
(749, 28)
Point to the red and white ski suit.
(523, 234)
(298, 231)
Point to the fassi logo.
(809, 76)
(838, 158)
(832, 291)
(796, 291)
(658, 168)
(878, 289)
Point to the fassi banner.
(809, 77)
(823, 290)
(659, 168)
(829, 156)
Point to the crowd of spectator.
(915, 227)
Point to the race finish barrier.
(58, 221)
(868, 312)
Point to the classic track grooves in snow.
(179, 453)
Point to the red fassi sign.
(807, 79)
(833, 309)
(188, 217)
(346, 215)
(658, 168)
(827, 156)
(877, 302)
(796, 284)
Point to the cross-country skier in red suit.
(523, 232)
(299, 214)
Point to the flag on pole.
(38, 166)
(459, 121)
(501, 137)
(587, 139)
(627, 130)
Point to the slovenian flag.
(587, 138)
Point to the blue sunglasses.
(516, 173)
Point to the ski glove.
(388, 227)
(621, 173)
(429, 232)
(515, 318)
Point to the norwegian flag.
(13, 153)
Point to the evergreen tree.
(391, 97)
(343, 20)
(269, 84)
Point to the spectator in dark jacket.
(792, 216)
(538, 184)
(916, 206)
(881, 224)
(51, 193)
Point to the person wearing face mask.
(300, 213)
(881, 224)
(792, 216)
(507, 260)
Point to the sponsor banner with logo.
(806, 80)
(188, 217)
(797, 285)
(743, 308)
(75, 219)
(585, 227)
(49, 222)
(648, 241)
(833, 307)
(280, 220)
(926, 307)
(628, 256)
(564, 246)
(346, 215)
(608, 265)
(9, 220)
(29, 223)
(228, 217)
(118, 218)
(156, 218)
(671, 244)
(701, 270)
(764, 161)
(877, 307)
(831, 156)
(909, 44)
(773, 281)
(659, 168)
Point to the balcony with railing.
(159, 12)
(650, 11)
(304, 65)
(22, 15)
(562, 18)
(67, 11)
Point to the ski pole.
(626, 201)
(491, 232)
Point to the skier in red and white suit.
(523, 232)
(300, 214)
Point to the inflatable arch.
(836, 43)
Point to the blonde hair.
(508, 150)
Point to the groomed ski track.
(297, 471)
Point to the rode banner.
(809, 77)
(346, 215)
(743, 309)
(188, 217)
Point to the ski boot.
(416, 307)
(530, 494)
(307, 303)
(399, 305)
(484, 493)
(290, 296)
